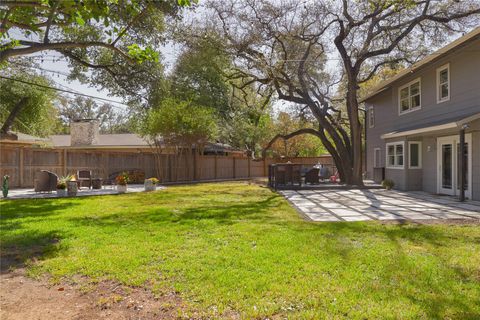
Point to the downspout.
(462, 164)
(364, 165)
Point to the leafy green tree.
(111, 44)
(180, 123)
(295, 146)
(111, 118)
(26, 108)
(248, 124)
(199, 74)
(287, 44)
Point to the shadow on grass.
(221, 214)
(436, 299)
(32, 208)
(20, 245)
(159, 211)
(19, 248)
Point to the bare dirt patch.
(24, 298)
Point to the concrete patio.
(375, 204)
(29, 193)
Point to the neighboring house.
(417, 121)
(85, 135)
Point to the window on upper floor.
(395, 155)
(414, 154)
(443, 83)
(371, 117)
(409, 96)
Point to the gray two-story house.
(420, 122)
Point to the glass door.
(446, 168)
(449, 158)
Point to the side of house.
(419, 122)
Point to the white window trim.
(375, 164)
(419, 80)
(419, 155)
(371, 111)
(440, 69)
(394, 144)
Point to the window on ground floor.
(371, 117)
(415, 154)
(395, 155)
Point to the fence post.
(264, 167)
(195, 163)
(195, 174)
(215, 168)
(105, 160)
(64, 162)
(248, 163)
(234, 167)
(21, 167)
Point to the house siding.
(475, 127)
(464, 101)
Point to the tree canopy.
(180, 123)
(110, 44)
(304, 50)
(112, 119)
(33, 107)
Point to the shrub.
(61, 185)
(154, 180)
(388, 184)
(62, 182)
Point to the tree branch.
(289, 136)
(33, 47)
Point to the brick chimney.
(84, 132)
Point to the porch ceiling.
(449, 124)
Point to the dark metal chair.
(84, 177)
(45, 181)
(312, 176)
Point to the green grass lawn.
(234, 248)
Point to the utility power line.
(62, 90)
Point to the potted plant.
(151, 184)
(5, 186)
(122, 180)
(61, 189)
(388, 184)
(62, 186)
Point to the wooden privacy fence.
(22, 162)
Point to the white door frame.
(454, 140)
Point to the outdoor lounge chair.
(85, 178)
(45, 181)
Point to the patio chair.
(85, 178)
(45, 181)
(280, 178)
(312, 176)
(324, 174)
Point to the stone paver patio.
(378, 204)
(29, 193)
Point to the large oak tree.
(304, 50)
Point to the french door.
(448, 159)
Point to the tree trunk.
(356, 135)
(7, 126)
